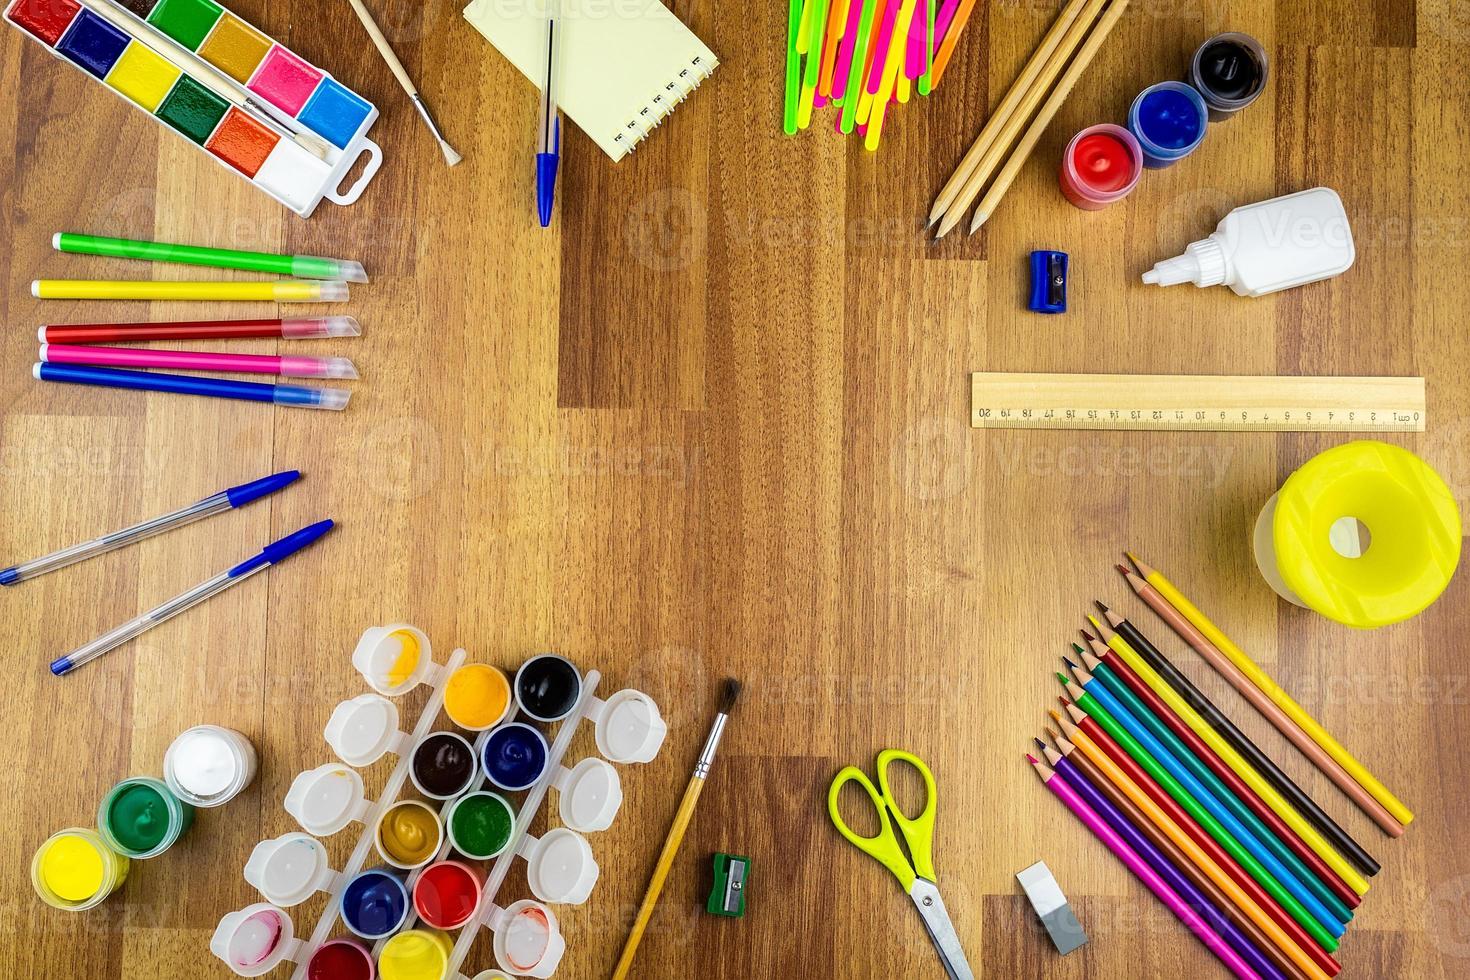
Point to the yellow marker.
(415, 954)
(143, 76)
(1280, 698)
(74, 869)
(1268, 793)
(282, 291)
(408, 658)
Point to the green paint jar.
(480, 824)
(141, 817)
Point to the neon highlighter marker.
(115, 638)
(299, 266)
(299, 328)
(296, 396)
(200, 509)
(286, 365)
(548, 137)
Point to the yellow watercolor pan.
(143, 76)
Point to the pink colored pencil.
(288, 366)
(878, 49)
(1142, 871)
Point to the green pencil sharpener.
(732, 877)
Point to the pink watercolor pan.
(285, 79)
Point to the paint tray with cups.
(252, 105)
(430, 864)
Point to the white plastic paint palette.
(560, 866)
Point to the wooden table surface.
(714, 422)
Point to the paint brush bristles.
(399, 72)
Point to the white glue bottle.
(1260, 248)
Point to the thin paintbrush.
(730, 692)
(206, 74)
(400, 73)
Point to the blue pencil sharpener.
(1048, 282)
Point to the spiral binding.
(649, 118)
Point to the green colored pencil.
(1203, 817)
(299, 266)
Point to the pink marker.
(880, 44)
(290, 366)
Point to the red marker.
(296, 328)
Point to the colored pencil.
(1329, 904)
(1087, 755)
(399, 72)
(287, 366)
(1177, 761)
(1300, 719)
(300, 328)
(1172, 866)
(1025, 93)
(299, 266)
(281, 291)
(1205, 816)
(1141, 870)
(1142, 688)
(295, 396)
(1304, 804)
(1100, 747)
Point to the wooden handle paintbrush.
(675, 837)
(399, 72)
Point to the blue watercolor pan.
(93, 43)
(334, 112)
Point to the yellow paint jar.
(1365, 533)
(477, 697)
(76, 870)
(409, 834)
(415, 954)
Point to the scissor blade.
(936, 920)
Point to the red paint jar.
(1101, 165)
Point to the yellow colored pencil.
(280, 291)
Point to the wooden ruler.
(1196, 402)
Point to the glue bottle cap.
(1203, 263)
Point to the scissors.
(917, 878)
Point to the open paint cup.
(528, 940)
(491, 975)
(1101, 165)
(447, 894)
(326, 799)
(560, 867)
(374, 903)
(341, 959)
(442, 765)
(629, 727)
(254, 940)
(547, 687)
(514, 756)
(480, 824)
(76, 869)
(362, 729)
(1169, 121)
(477, 697)
(289, 869)
(141, 817)
(1229, 70)
(409, 834)
(394, 659)
(591, 793)
(209, 765)
(415, 954)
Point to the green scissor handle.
(918, 832)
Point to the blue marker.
(268, 556)
(548, 136)
(296, 396)
(213, 504)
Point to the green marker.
(299, 266)
(853, 89)
(1106, 676)
(1213, 827)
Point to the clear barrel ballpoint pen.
(548, 135)
(116, 637)
(200, 509)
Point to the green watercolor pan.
(247, 142)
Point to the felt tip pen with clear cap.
(269, 555)
(295, 396)
(548, 137)
(226, 499)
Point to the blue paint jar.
(1169, 120)
(374, 903)
(515, 756)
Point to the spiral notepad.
(623, 66)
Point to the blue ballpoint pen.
(548, 137)
(114, 638)
(200, 509)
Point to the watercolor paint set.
(257, 108)
(426, 866)
(141, 817)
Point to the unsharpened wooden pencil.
(1029, 87)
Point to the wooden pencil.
(1263, 763)
(1371, 796)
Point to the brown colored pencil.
(1258, 698)
(1172, 851)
